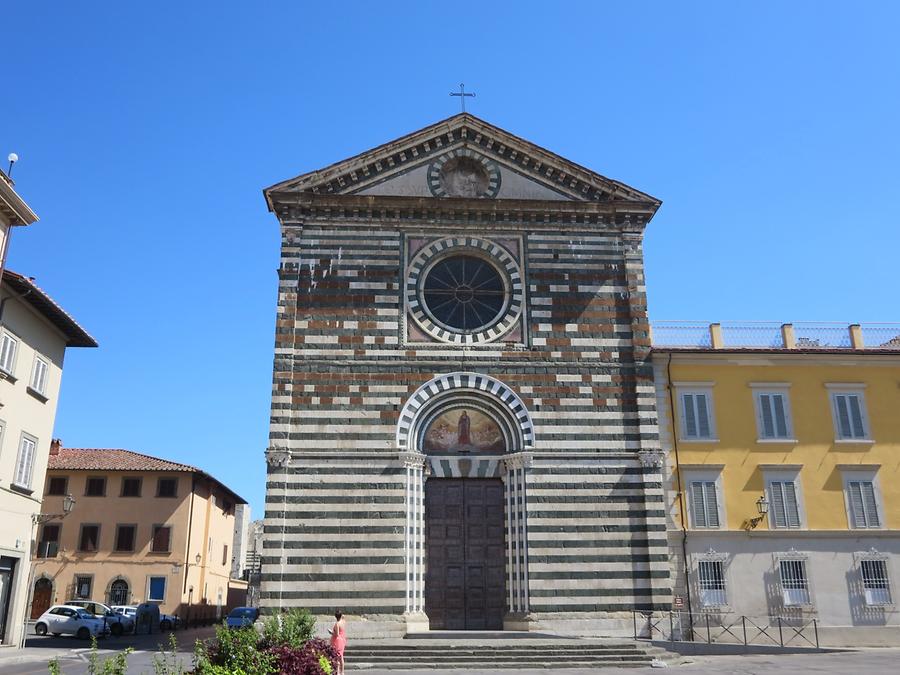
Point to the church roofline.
(313, 181)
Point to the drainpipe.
(681, 502)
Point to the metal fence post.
(780, 636)
(708, 637)
(744, 626)
(671, 627)
(634, 621)
(816, 630)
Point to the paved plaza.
(73, 658)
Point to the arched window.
(118, 592)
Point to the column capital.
(412, 460)
(652, 459)
(279, 457)
(519, 460)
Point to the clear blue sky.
(146, 132)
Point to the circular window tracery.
(464, 290)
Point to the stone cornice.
(426, 212)
(464, 130)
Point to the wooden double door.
(466, 553)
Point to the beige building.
(143, 529)
(34, 334)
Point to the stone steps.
(550, 655)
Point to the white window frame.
(804, 562)
(39, 382)
(708, 475)
(874, 557)
(10, 368)
(773, 389)
(165, 579)
(843, 389)
(694, 388)
(714, 593)
(854, 474)
(29, 469)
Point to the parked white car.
(166, 621)
(118, 623)
(70, 620)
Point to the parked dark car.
(241, 617)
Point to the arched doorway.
(42, 597)
(467, 435)
(118, 592)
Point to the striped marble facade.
(345, 521)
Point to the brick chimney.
(55, 445)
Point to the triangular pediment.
(463, 157)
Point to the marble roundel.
(464, 173)
(430, 298)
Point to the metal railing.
(771, 335)
(711, 628)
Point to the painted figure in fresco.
(462, 435)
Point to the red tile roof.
(114, 459)
(31, 293)
(100, 459)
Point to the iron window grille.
(711, 580)
(794, 582)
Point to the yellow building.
(142, 529)
(783, 448)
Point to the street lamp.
(762, 507)
(39, 519)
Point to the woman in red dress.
(339, 640)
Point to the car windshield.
(243, 613)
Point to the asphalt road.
(73, 653)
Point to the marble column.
(414, 541)
(515, 473)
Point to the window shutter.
(712, 506)
(23, 466)
(856, 504)
(778, 511)
(705, 504)
(792, 509)
(781, 429)
(690, 424)
(857, 430)
(702, 416)
(868, 496)
(7, 352)
(843, 415)
(700, 519)
(765, 416)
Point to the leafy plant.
(237, 650)
(115, 665)
(53, 665)
(167, 662)
(291, 629)
(316, 657)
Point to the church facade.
(463, 426)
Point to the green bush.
(237, 651)
(291, 629)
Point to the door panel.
(466, 553)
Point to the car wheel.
(165, 625)
(116, 629)
(83, 633)
(41, 629)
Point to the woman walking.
(339, 640)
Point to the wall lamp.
(762, 507)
